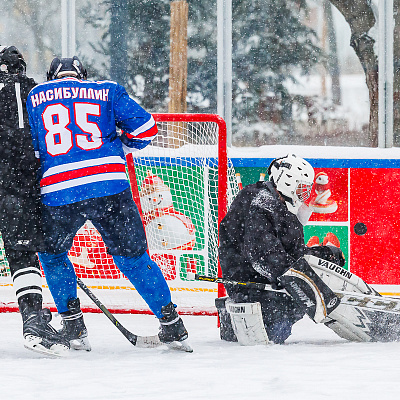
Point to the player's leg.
(148, 280)
(280, 313)
(20, 225)
(38, 334)
(150, 283)
(61, 279)
(60, 226)
(118, 221)
(23, 237)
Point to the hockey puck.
(360, 229)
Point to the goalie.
(261, 238)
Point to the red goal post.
(183, 183)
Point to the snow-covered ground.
(314, 364)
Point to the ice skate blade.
(80, 344)
(34, 343)
(180, 346)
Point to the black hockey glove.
(337, 256)
(329, 253)
(329, 250)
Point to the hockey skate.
(172, 331)
(41, 337)
(74, 328)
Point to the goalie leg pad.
(351, 334)
(247, 323)
(308, 289)
(349, 323)
(226, 331)
(363, 325)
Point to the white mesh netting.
(177, 188)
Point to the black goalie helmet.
(66, 67)
(11, 60)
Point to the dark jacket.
(18, 165)
(259, 238)
(19, 189)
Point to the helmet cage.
(303, 190)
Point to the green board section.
(186, 198)
(193, 263)
(4, 269)
(250, 175)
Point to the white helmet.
(293, 178)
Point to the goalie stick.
(358, 300)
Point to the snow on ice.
(314, 364)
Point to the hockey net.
(182, 184)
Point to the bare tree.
(360, 17)
(39, 16)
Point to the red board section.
(375, 202)
(338, 185)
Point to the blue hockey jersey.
(74, 130)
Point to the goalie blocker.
(308, 289)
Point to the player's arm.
(137, 125)
(262, 247)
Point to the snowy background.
(314, 364)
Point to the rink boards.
(365, 185)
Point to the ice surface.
(314, 364)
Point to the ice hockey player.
(261, 237)
(20, 223)
(74, 124)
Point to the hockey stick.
(138, 341)
(250, 285)
(354, 299)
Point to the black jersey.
(14, 89)
(19, 189)
(18, 162)
(259, 237)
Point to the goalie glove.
(329, 250)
